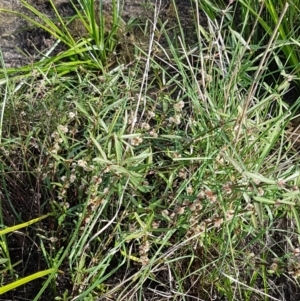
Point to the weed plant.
(173, 177)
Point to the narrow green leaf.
(259, 178)
(23, 225)
(240, 38)
(3, 260)
(297, 219)
(24, 280)
(99, 148)
(118, 148)
(292, 177)
(264, 200)
(192, 158)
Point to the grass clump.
(173, 177)
(87, 41)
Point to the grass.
(270, 14)
(169, 174)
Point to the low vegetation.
(139, 164)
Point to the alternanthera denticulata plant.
(179, 182)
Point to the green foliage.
(174, 176)
(279, 17)
(24, 280)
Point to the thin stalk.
(253, 87)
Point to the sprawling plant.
(176, 177)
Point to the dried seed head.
(179, 106)
(210, 196)
(227, 188)
(229, 214)
(179, 210)
(218, 221)
(192, 207)
(189, 190)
